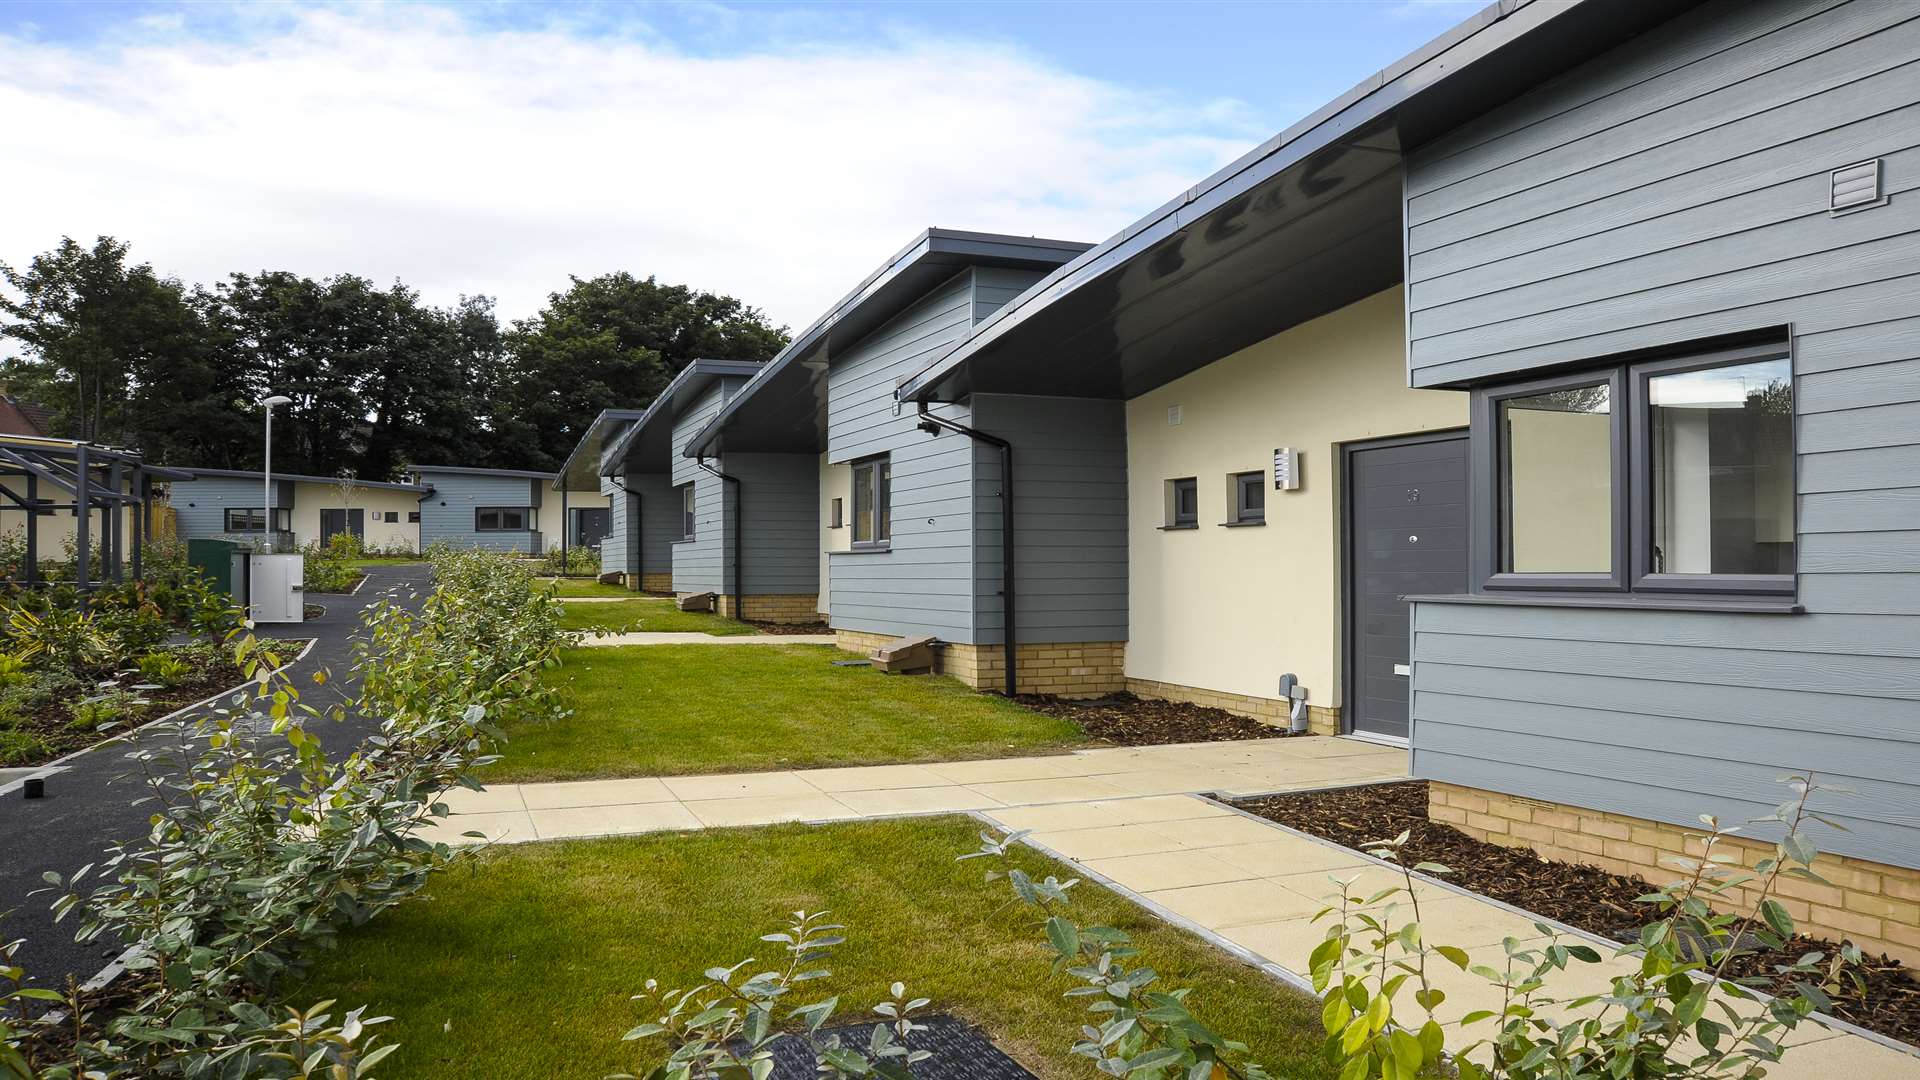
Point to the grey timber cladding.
(200, 505)
(924, 584)
(659, 520)
(701, 564)
(1671, 190)
(446, 516)
(623, 519)
(781, 519)
(1070, 507)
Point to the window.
(872, 501)
(1671, 475)
(1183, 504)
(248, 519)
(501, 518)
(413, 517)
(838, 519)
(686, 512)
(1248, 493)
(392, 517)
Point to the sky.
(777, 152)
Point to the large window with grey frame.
(873, 502)
(1660, 476)
(248, 519)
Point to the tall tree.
(85, 313)
(614, 341)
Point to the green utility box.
(224, 562)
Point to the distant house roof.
(468, 470)
(581, 470)
(301, 478)
(784, 408)
(647, 446)
(19, 417)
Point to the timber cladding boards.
(704, 563)
(923, 582)
(1667, 192)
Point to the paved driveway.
(88, 804)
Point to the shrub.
(17, 747)
(13, 671)
(577, 561)
(104, 710)
(65, 638)
(329, 567)
(165, 668)
(726, 1027)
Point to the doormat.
(960, 1052)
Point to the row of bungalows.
(504, 510)
(1549, 403)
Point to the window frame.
(413, 517)
(1631, 463)
(879, 467)
(282, 516)
(525, 512)
(1641, 447)
(1242, 482)
(1174, 521)
(689, 523)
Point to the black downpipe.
(933, 425)
(739, 531)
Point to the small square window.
(413, 517)
(1183, 503)
(838, 520)
(686, 512)
(1249, 498)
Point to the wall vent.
(1856, 187)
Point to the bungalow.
(623, 548)
(737, 524)
(506, 509)
(306, 509)
(1548, 402)
(900, 536)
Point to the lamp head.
(277, 399)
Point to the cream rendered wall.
(1232, 609)
(311, 498)
(836, 482)
(548, 518)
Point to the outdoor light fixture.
(266, 470)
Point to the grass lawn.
(522, 965)
(650, 616)
(649, 710)
(585, 587)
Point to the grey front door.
(1406, 535)
(591, 525)
(339, 521)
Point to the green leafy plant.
(576, 561)
(725, 1027)
(13, 671)
(1676, 1008)
(164, 668)
(1135, 1029)
(67, 638)
(105, 710)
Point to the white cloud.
(417, 143)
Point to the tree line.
(379, 380)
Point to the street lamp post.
(266, 471)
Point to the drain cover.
(960, 1052)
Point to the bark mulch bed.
(787, 629)
(1135, 721)
(1581, 896)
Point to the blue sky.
(495, 148)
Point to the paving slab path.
(1134, 819)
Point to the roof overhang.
(190, 474)
(1304, 224)
(647, 444)
(581, 470)
(784, 409)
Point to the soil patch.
(787, 629)
(1582, 896)
(49, 729)
(1136, 721)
